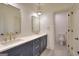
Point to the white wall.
(51, 33)
(26, 22)
(61, 23)
(47, 26)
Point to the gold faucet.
(11, 36)
(8, 36)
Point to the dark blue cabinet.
(32, 48)
(26, 49)
(21, 50)
(12, 52)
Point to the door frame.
(55, 24)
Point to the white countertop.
(19, 41)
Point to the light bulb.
(39, 13)
(35, 14)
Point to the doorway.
(61, 21)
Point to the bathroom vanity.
(25, 46)
(10, 27)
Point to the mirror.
(35, 24)
(10, 19)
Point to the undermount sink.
(10, 42)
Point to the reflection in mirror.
(10, 19)
(35, 24)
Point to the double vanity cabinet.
(31, 48)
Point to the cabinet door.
(12, 52)
(41, 46)
(36, 47)
(43, 43)
(27, 49)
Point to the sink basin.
(10, 42)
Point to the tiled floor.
(59, 50)
(48, 52)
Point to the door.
(70, 32)
(76, 32)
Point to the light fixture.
(39, 12)
(35, 14)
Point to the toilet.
(62, 39)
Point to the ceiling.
(48, 6)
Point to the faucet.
(9, 36)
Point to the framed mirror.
(10, 19)
(35, 24)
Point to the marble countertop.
(18, 41)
